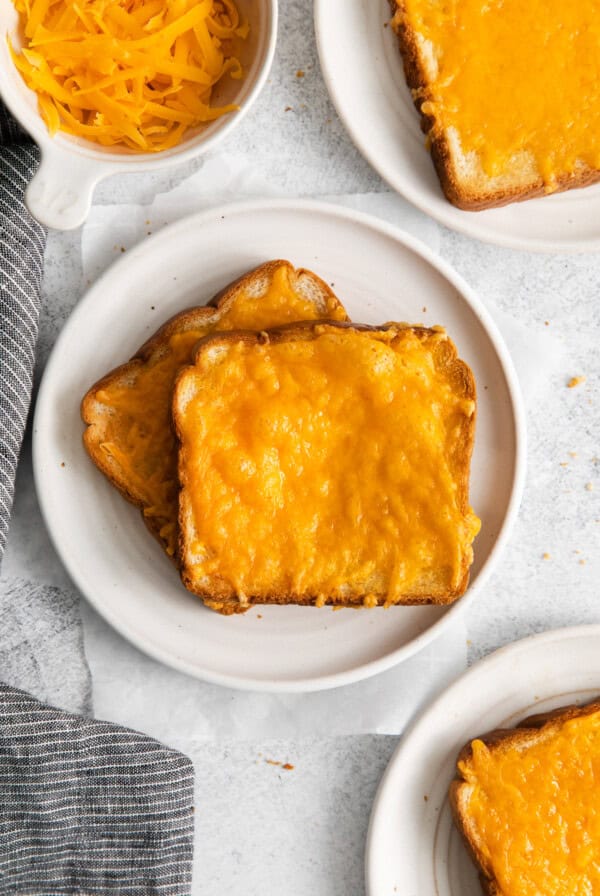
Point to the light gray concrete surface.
(261, 828)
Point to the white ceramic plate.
(363, 71)
(413, 848)
(380, 274)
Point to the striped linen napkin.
(89, 808)
(22, 243)
(86, 807)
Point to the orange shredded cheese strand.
(138, 73)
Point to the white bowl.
(60, 193)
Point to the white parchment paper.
(135, 690)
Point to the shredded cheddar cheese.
(137, 73)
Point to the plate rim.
(371, 667)
(479, 668)
(458, 223)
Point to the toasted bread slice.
(324, 463)
(502, 90)
(128, 412)
(525, 801)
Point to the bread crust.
(219, 597)
(441, 151)
(526, 733)
(189, 319)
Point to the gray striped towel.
(86, 808)
(89, 808)
(22, 242)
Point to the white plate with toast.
(362, 68)
(380, 274)
(413, 847)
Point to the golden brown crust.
(218, 597)
(441, 152)
(223, 603)
(526, 733)
(190, 319)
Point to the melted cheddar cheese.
(328, 466)
(515, 77)
(535, 810)
(140, 438)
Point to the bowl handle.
(60, 193)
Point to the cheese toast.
(325, 463)
(127, 413)
(526, 803)
(508, 92)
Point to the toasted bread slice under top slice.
(509, 94)
(326, 464)
(128, 412)
(526, 802)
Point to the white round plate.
(362, 68)
(413, 848)
(380, 274)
